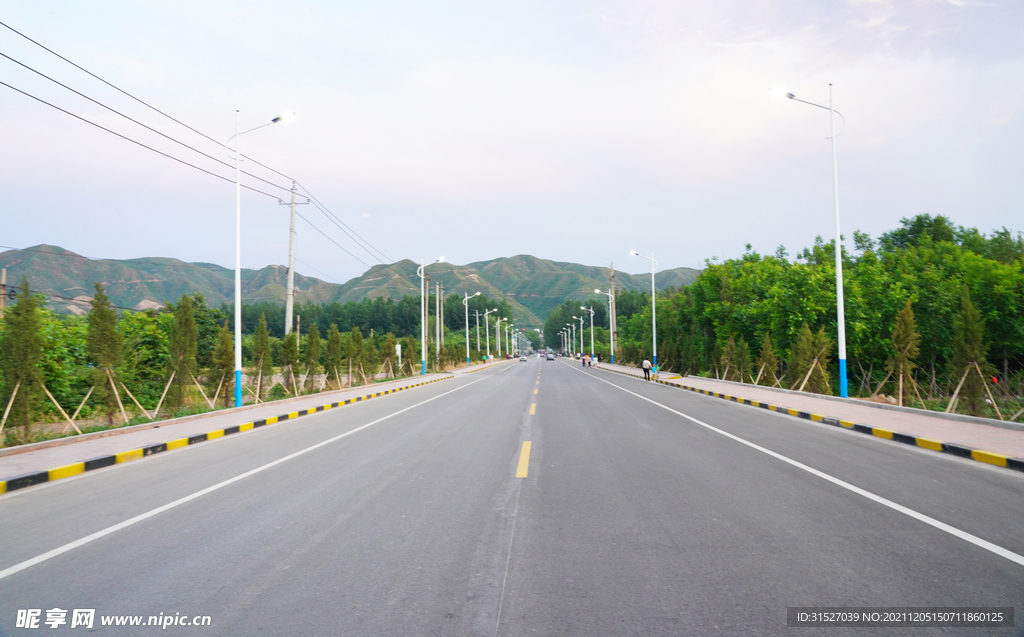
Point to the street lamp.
(572, 345)
(654, 310)
(497, 333)
(591, 310)
(421, 272)
(611, 322)
(840, 306)
(238, 241)
(487, 332)
(465, 302)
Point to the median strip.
(33, 478)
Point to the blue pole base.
(467, 361)
(842, 378)
(423, 368)
(238, 388)
(613, 359)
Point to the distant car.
(551, 356)
(522, 359)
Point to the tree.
(289, 357)
(223, 363)
(20, 353)
(104, 345)
(312, 354)
(905, 343)
(181, 358)
(969, 349)
(728, 360)
(767, 361)
(262, 356)
(334, 354)
(809, 358)
(742, 361)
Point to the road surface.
(644, 510)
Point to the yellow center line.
(533, 409)
(524, 460)
(535, 391)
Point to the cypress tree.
(289, 358)
(21, 350)
(768, 360)
(104, 345)
(181, 357)
(262, 356)
(334, 354)
(354, 350)
(801, 356)
(223, 367)
(820, 382)
(312, 354)
(728, 360)
(905, 342)
(969, 348)
(742, 361)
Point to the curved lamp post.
(654, 309)
(465, 302)
(840, 306)
(591, 310)
(611, 329)
(487, 332)
(421, 272)
(237, 152)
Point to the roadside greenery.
(927, 300)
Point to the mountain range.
(533, 286)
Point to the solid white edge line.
(7, 572)
(942, 526)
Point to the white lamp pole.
(420, 272)
(840, 305)
(654, 309)
(465, 302)
(487, 331)
(238, 242)
(591, 310)
(611, 330)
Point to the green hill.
(532, 285)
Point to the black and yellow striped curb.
(38, 477)
(961, 451)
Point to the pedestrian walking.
(647, 369)
(583, 359)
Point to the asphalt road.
(645, 510)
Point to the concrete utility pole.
(437, 319)
(290, 295)
(477, 327)
(3, 299)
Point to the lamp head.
(780, 93)
(439, 260)
(477, 294)
(283, 117)
(598, 292)
(634, 253)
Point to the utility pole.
(441, 308)
(290, 294)
(3, 301)
(298, 330)
(477, 321)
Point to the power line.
(131, 119)
(324, 209)
(122, 91)
(343, 225)
(159, 152)
(332, 240)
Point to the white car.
(522, 358)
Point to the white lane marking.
(198, 494)
(942, 526)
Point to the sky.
(572, 131)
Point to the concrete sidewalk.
(982, 439)
(129, 443)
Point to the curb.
(33, 478)
(989, 457)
